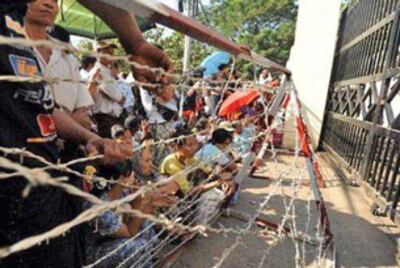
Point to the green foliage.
(267, 26)
(173, 45)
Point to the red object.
(46, 125)
(237, 100)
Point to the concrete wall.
(312, 56)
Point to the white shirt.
(126, 90)
(108, 93)
(152, 114)
(69, 95)
(266, 80)
(84, 74)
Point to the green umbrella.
(77, 20)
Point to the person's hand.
(122, 101)
(129, 181)
(165, 93)
(161, 200)
(246, 48)
(228, 188)
(226, 176)
(153, 57)
(96, 76)
(113, 151)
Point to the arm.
(206, 187)
(120, 21)
(130, 36)
(68, 129)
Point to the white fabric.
(152, 114)
(84, 74)
(126, 90)
(69, 95)
(208, 205)
(265, 81)
(108, 93)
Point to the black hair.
(181, 135)
(220, 135)
(60, 33)
(202, 124)
(87, 61)
(223, 66)
(112, 173)
(133, 122)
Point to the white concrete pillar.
(311, 59)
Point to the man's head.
(224, 71)
(187, 145)
(42, 12)
(132, 125)
(265, 73)
(107, 48)
(222, 138)
(117, 132)
(146, 160)
(88, 63)
(238, 127)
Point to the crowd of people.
(109, 114)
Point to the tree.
(267, 26)
(173, 45)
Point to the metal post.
(188, 40)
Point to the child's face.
(189, 147)
(127, 134)
(146, 162)
(238, 128)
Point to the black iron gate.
(362, 121)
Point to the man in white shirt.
(265, 77)
(72, 96)
(108, 98)
(87, 64)
(126, 89)
(161, 112)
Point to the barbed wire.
(55, 44)
(100, 81)
(252, 221)
(95, 211)
(170, 238)
(39, 177)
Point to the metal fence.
(362, 121)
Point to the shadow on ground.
(361, 239)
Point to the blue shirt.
(212, 153)
(126, 90)
(244, 141)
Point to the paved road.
(362, 240)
